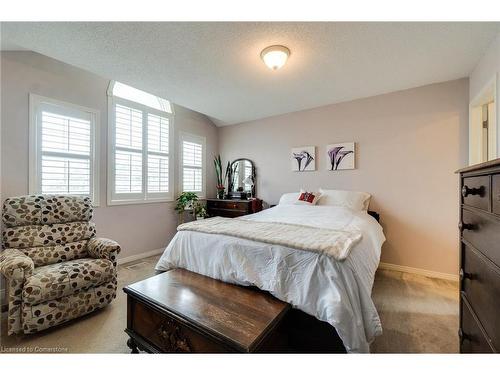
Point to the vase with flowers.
(221, 178)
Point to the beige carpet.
(418, 315)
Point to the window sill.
(134, 202)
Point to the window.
(193, 164)
(139, 156)
(63, 148)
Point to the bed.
(335, 292)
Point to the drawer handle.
(465, 275)
(464, 226)
(462, 336)
(472, 191)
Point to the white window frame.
(36, 103)
(183, 136)
(143, 197)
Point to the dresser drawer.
(483, 233)
(226, 213)
(481, 285)
(169, 334)
(495, 194)
(242, 206)
(228, 204)
(472, 339)
(476, 192)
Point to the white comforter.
(332, 291)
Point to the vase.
(220, 193)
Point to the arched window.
(140, 136)
(127, 92)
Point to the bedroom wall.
(138, 228)
(409, 145)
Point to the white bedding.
(332, 291)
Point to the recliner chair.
(55, 267)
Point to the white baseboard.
(133, 258)
(418, 271)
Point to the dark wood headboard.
(376, 215)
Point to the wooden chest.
(233, 207)
(479, 227)
(183, 312)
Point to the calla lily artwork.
(341, 156)
(303, 158)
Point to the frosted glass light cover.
(275, 56)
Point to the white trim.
(34, 152)
(487, 93)
(143, 197)
(133, 258)
(418, 271)
(185, 136)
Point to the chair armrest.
(15, 265)
(103, 248)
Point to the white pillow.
(289, 198)
(310, 198)
(356, 200)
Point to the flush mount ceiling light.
(275, 56)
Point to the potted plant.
(185, 201)
(200, 211)
(221, 180)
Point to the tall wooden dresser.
(479, 227)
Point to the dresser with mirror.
(240, 198)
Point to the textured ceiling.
(215, 68)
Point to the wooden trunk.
(184, 312)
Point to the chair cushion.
(44, 255)
(45, 209)
(63, 279)
(47, 235)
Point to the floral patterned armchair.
(55, 267)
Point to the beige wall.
(409, 145)
(138, 228)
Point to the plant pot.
(220, 194)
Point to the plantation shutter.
(128, 150)
(158, 154)
(192, 168)
(65, 151)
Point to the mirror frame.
(254, 176)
